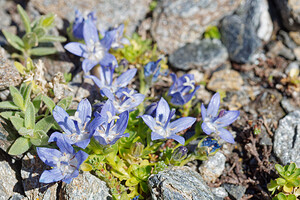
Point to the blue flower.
(151, 71)
(161, 126)
(106, 78)
(119, 40)
(94, 51)
(124, 99)
(78, 129)
(151, 109)
(79, 21)
(64, 163)
(211, 144)
(108, 131)
(183, 89)
(212, 122)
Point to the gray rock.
(295, 35)
(287, 139)
(255, 13)
(32, 168)
(8, 181)
(288, 105)
(239, 38)
(297, 53)
(286, 39)
(6, 20)
(279, 49)
(219, 192)
(85, 186)
(292, 66)
(207, 55)
(236, 191)
(108, 13)
(180, 183)
(213, 168)
(177, 22)
(18, 197)
(290, 13)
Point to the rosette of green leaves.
(287, 184)
(36, 33)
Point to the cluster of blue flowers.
(108, 124)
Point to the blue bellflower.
(119, 40)
(124, 99)
(94, 51)
(108, 131)
(151, 71)
(211, 144)
(106, 78)
(79, 21)
(214, 122)
(65, 162)
(77, 128)
(161, 126)
(183, 89)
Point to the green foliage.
(287, 184)
(36, 33)
(212, 32)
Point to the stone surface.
(32, 168)
(6, 20)
(85, 186)
(286, 39)
(287, 139)
(255, 13)
(178, 183)
(213, 168)
(288, 105)
(219, 192)
(177, 22)
(279, 49)
(207, 55)
(9, 75)
(290, 13)
(236, 191)
(297, 53)
(295, 36)
(108, 13)
(227, 80)
(8, 181)
(239, 38)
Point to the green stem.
(188, 159)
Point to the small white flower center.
(189, 82)
(110, 117)
(210, 125)
(76, 117)
(66, 163)
(95, 51)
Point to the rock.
(226, 80)
(219, 192)
(198, 76)
(236, 191)
(7, 134)
(178, 183)
(235, 100)
(108, 13)
(207, 55)
(85, 186)
(203, 95)
(32, 168)
(8, 181)
(213, 168)
(287, 139)
(292, 66)
(286, 39)
(297, 53)
(278, 49)
(295, 36)
(177, 22)
(239, 38)
(288, 105)
(290, 13)
(9, 75)
(255, 13)
(6, 20)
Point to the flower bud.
(179, 154)
(137, 149)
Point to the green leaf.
(14, 40)
(28, 133)
(42, 51)
(44, 124)
(144, 187)
(26, 95)
(19, 67)
(291, 197)
(18, 122)
(49, 103)
(37, 103)
(30, 116)
(291, 167)
(296, 173)
(40, 138)
(133, 181)
(279, 168)
(47, 21)
(280, 181)
(65, 102)
(51, 38)
(17, 97)
(8, 105)
(20, 146)
(24, 18)
(30, 40)
(40, 32)
(7, 114)
(281, 196)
